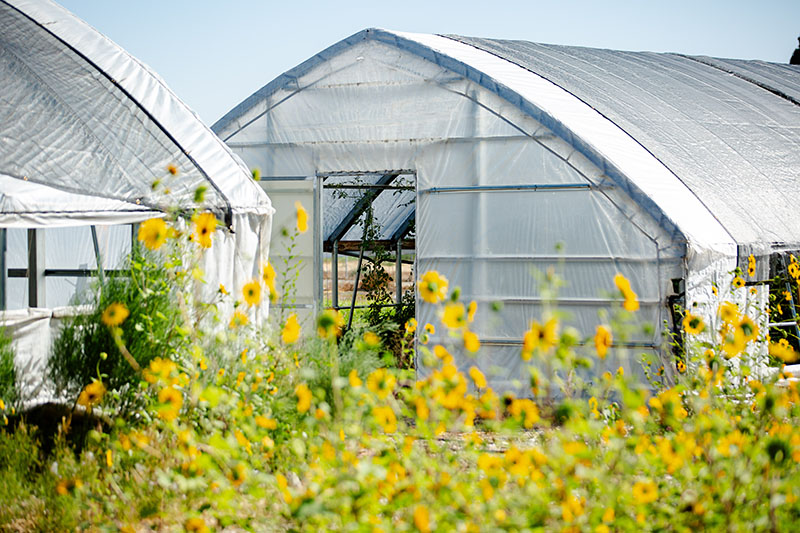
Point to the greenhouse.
(87, 132)
(493, 161)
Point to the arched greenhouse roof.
(86, 129)
(709, 147)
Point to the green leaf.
(200, 194)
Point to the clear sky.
(214, 54)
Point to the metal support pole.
(398, 267)
(97, 257)
(318, 243)
(36, 266)
(335, 275)
(134, 234)
(355, 287)
(3, 269)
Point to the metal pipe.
(516, 342)
(335, 275)
(36, 283)
(3, 273)
(355, 288)
(398, 277)
(782, 324)
(382, 306)
(367, 186)
(318, 241)
(526, 187)
(97, 257)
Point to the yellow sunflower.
(153, 233)
(693, 324)
(542, 337)
(252, 292)
(631, 302)
(372, 339)
(171, 401)
(268, 275)
(471, 310)
(115, 314)
(302, 217)
(433, 287)
(197, 525)
(471, 341)
(291, 330)
(749, 328)
(353, 378)
(454, 315)
(783, 351)
(728, 312)
(304, 395)
(422, 519)
(238, 319)
(204, 226)
(92, 394)
(329, 324)
(602, 341)
(381, 383)
(385, 417)
(645, 492)
(477, 377)
(794, 270)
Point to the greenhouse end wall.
(500, 199)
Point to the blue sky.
(214, 54)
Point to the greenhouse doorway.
(369, 247)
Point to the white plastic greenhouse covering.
(530, 157)
(85, 130)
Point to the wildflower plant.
(238, 426)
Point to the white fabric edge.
(82, 218)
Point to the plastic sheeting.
(731, 141)
(33, 331)
(81, 116)
(87, 131)
(32, 205)
(501, 198)
(781, 79)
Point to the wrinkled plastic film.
(370, 109)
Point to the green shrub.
(321, 361)
(86, 348)
(9, 392)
